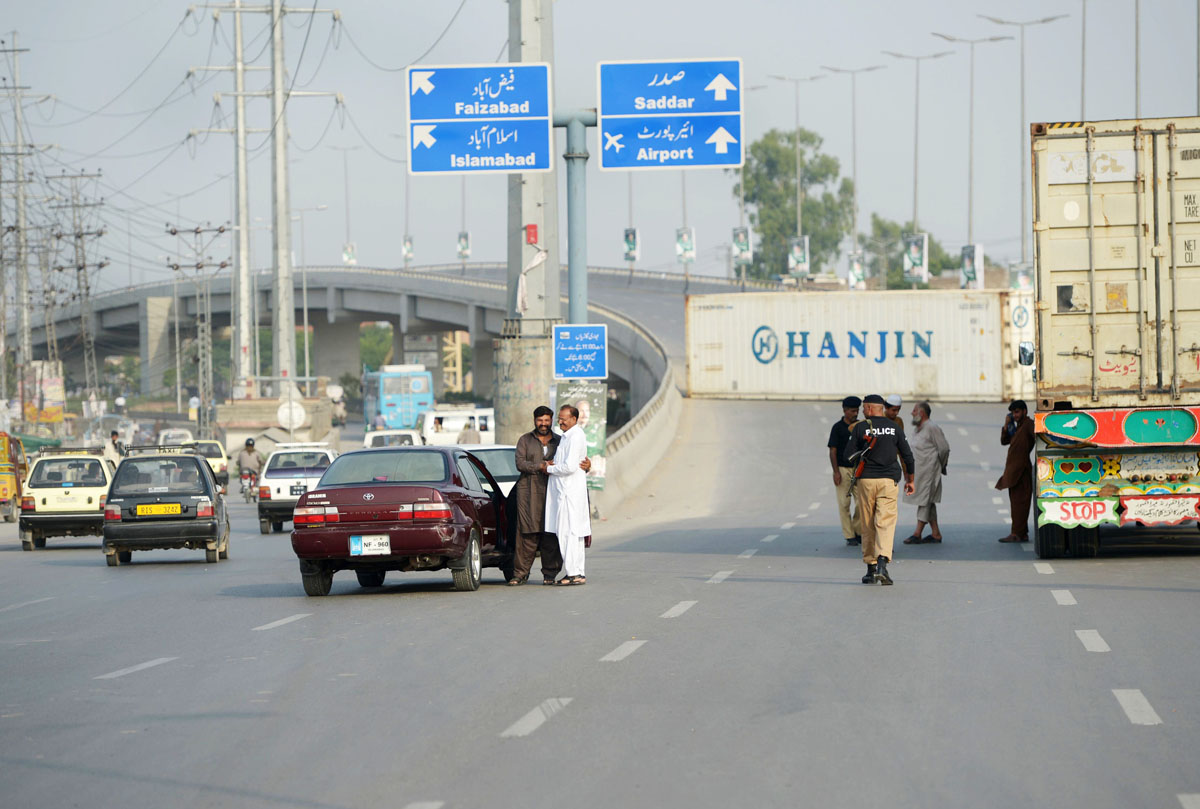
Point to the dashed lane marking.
(720, 577)
(1091, 640)
(746, 554)
(951, 417)
(787, 526)
(536, 718)
(679, 609)
(1136, 706)
(1189, 801)
(814, 506)
(769, 538)
(1043, 567)
(1026, 546)
(282, 621)
(112, 675)
(623, 651)
(986, 467)
(26, 604)
(962, 430)
(1002, 511)
(426, 805)
(998, 500)
(975, 448)
(803, 516)
(1064, 598)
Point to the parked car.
(291, 470)
(13, 467)
(64, 495)
(218, 461)
(500, 460)
(174, 436)
(392, 438)
(403, 508)
(164, 498)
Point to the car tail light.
(432, 511)
(315, 515)
(112, 512)
(28, 504)
(264, 492)
(103, 500)
(405, 513)
(204, 508)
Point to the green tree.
(375, 344)
(884, 249)
(770, 178)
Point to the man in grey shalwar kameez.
(931, 454)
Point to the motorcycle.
(250, 486)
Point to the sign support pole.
(577, 281)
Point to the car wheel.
(370, 578)
(111, 559)
(224, 552)
(277, 527)
(264, 526)
(317, 580)
(124, 557)
(469, 567)
(211, 555)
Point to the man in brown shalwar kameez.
(1017, 435)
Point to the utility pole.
(204, 343)
(853, 143)
(82, 282)
(24, 336)
(796, 82)
(349, 253)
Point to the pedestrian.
(379, 422)
(113, 450)
(843, 473)
(892, 410)
(931, 454)
(567, 510)
(468, 434)
(1017, 435)
(875, 445)
(533, 450)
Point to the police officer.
(876, 486)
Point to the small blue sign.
(479, 119)
(581, 351)
(680, 114)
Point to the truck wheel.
(211, 555)
(1084, 542)
(469, 567)
(317, 580)
(111, 559)
(124, 557)
(1050, 541)
(264, 526)
(277, 527)
(370, 578)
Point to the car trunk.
(360, 504)
(66, 499)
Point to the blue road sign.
(479, 119)
(581, 351)
(670, 115)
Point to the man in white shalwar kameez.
(567, 511)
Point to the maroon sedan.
(401, 508)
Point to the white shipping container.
(931, 344)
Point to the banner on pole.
(743, 253)
(591, 399)
(798, 263)
(856, 277)
(685, 245)
(633, 248)
(408, 248)
(916, 258)
(464, 244)
(350, 254)
(971, 273)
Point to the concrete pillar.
(483, 367)
(155, 342)
(523, 375)
(397, 345)
(336, 349)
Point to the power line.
(436, 42)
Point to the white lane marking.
(26, 604)
(1064, 598)
(974, 448)
(720, 577)
(787, 526)
(1092, 641)
(746, 554)
(1002, 512)
(997, 500)
(814, 506)
(1043, 567)
(282, 621)
(1026, 546)
(817, 408)
(985, 466)
(801, 516)
(1136, 706)
(536, 718)
(1189, 801)
(769, 538)
(679, 609)
(623, 651)
(962, 430)
(112, 675)
(426, 805)
(951, 417)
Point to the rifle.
(861, 455)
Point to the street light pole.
(345, 150)
(1083, 64)
(799, 153)
(1024, 132)
(1137, 59)
(853, 143)
(971, 127)
(304, 291)
(916, 60)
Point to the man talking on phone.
(875, 447)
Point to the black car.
(164, 498)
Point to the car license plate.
(159, 509)
(299, 488)
(370, 545)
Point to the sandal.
(570, 581)
(515, 582)
(936, 540)
(548, 582)
(914, 540)
(1011, 538)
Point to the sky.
(123, 58)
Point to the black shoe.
(870, 577)
(881, 571)
(855, 540)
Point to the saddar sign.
(591, 399)
(1088, 513)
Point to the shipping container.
(930, 344)
(1117, 241)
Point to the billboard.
(464, 245)
(591, 399)
(798, 262)
(916, 258)
(741, 250)
(685, 245)
(970, 274)
(633, 249)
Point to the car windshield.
(210, 449)
(393, 440)
(169, 437)
(158, 474)
(396, 466)
(54, 473)
(297, 464)
(502, 463)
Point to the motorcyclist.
(250, 460)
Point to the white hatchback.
(392, 438)
(290, 471)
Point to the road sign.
(581, 351)
(479, 119)
(670, 115)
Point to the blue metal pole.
(577, 156)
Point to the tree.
(770, 178)
(375, 344)
(884, 248)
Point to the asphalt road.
(723, 654)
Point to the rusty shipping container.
(931, 344)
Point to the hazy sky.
(84, 53)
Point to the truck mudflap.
(1087, 490)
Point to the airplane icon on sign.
(613, 142)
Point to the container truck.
(1117, 328)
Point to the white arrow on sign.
(719, 86)
(423, 135)
(421, 81)
(721, 139)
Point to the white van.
(441, 426)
